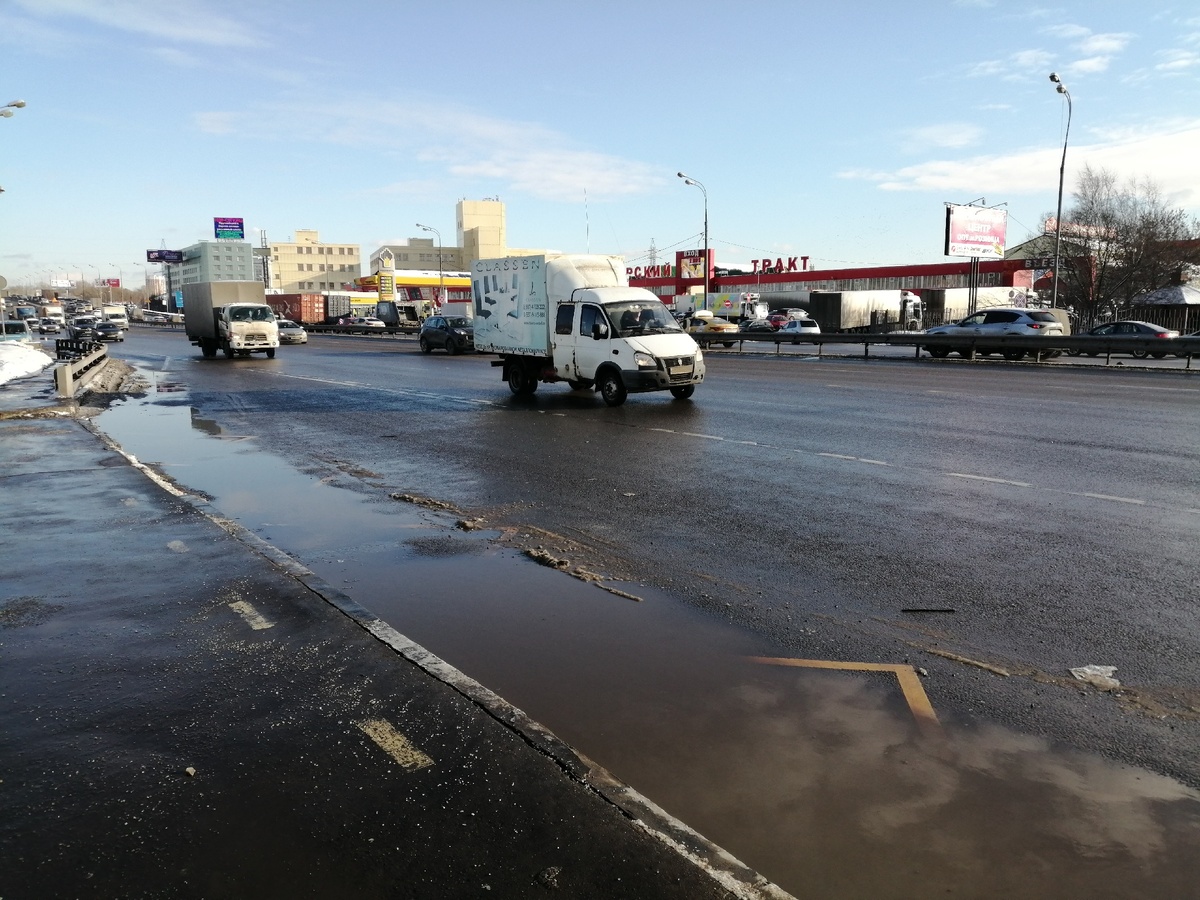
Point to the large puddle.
(830, 783)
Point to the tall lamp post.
(441, 274)
(693, 181)
(7, 109)
(1062, 169)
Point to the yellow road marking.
(395, 744)
(252, 616)
(910, 682)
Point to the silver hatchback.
(997, 321)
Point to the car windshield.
(458, 321)
(641, 317)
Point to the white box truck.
(574, 318)
(230, 316)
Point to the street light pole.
(693, 181)
(7, 109)
(1062, 169)
(441, 272)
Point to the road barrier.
(1011, 346)
(83, 360)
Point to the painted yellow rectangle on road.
(910, 683)
(395, 744)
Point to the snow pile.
(18, 359)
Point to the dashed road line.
(252, 616)
(1114, 499)
(392, 742)
(989, 479)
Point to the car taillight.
(1164, 334)
(1036, 325)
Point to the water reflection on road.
(820, 780)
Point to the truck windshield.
(251, 314)
(641, 317)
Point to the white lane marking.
(253, 617)
(986, 478)
(874, 462)
(837, 456)
(1114, 499)
(395, 744)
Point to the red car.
(777, 320)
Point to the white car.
(291, 333)
(1004, 320)
(795, 329)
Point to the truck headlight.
(645, 360)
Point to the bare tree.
(1124, 239)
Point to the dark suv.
(453, 334)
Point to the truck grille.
(679, 368)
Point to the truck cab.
(623, 345)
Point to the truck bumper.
(640, 381)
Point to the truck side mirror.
(599, 331)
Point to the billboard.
(164, 256)
(229, 229)
(112, 282)
(975, 231)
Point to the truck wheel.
(612, 389)
(521, 382)
(271, 353)
(682, 393)
(208, 348)
(229, 353)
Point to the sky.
(836, 132)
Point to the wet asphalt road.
(1055, 511)
(810, 507)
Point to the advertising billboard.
(975, 231)
(229, 229)
(164, 256)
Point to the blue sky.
(833, 131)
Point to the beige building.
(481, 235)
(307, 264)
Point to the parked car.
(797, 328)
(454, 334)
(1129, 329)
(48, 326)
(109, 331)
(997, 321)
(16, 330)
(704, 322)
(291, 332)
(761, 326)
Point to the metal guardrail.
(82, 361)
(1038, 348)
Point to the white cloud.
(1165, 155)
(1105, 44)
(953, 135)
(193, 23)
(1015, 67)
(1089, 66)
(461, 144)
